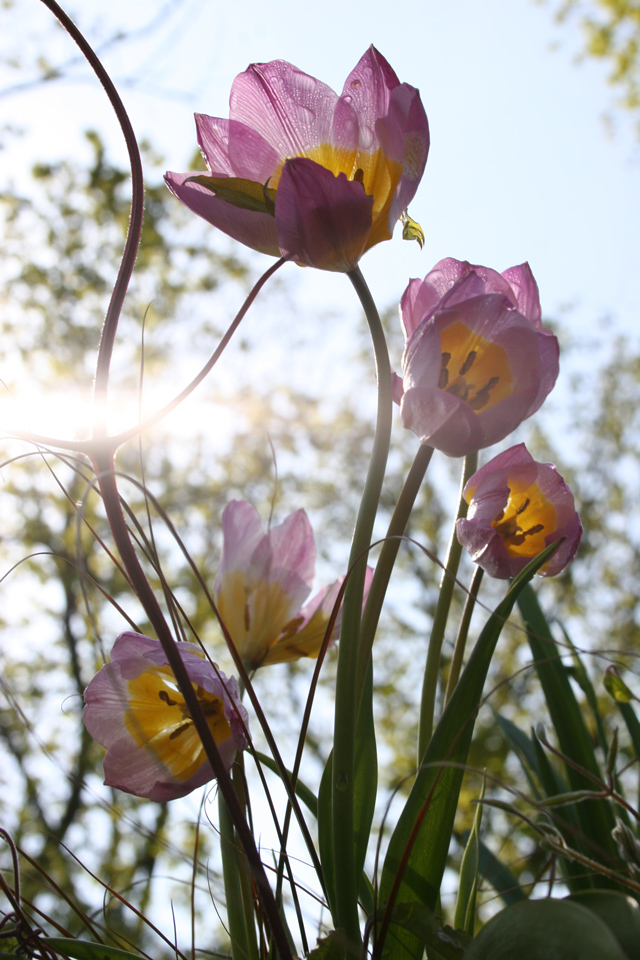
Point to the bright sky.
(521, 164)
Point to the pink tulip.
(299, 171)
(263, 580)
(477, 360)
(134, 709)
(517, 507)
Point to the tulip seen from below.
(477, 360)
(299, 171)
(134, 708)
(263, 580)
(517, 507)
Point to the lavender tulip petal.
(369, 87)
(322, 220)
(255, 230)
(474, 367)
(517, 507)
(242, 532)
(370, 145)
(235, 150)
(264, 579)
(404, 137)
(441, 421)
(525, 288)
(134, 709)
(290, 109)
(288, 554)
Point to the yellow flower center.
(158, 720)
(473, 368)
(528, 518)
(378, 175)
(255, 614)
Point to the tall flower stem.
(432, 669)
(342, 793)
(463, 632)
(387, 559)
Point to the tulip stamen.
(483, 397)
(183, 726)
(466, 366)
(167, 699)
(444, 373)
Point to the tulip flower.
(477, 359)
(134, 708)
(263, 580)
(517, 507)
(299, 171)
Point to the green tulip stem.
(387, 559)
(463, 631)
(342, 792)
(432, 669)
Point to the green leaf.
(423, 924)
(365, 785)
(420, 842)
(246, 194)
(325, 833)
(544, 929)
(84, 950)
(365, 780)
(582, 677)
(523, 748)
(616, 687)
(499, 876)
(596, 817)
(332, 947)
(464, 917)
(302, 792)
(620, 912)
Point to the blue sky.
(521, 166)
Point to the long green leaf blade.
(420, 842)
(596, 817)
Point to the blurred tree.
(611, 31)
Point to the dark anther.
(466, 366)
(167, 699)
(483, 397)
(176, 733)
